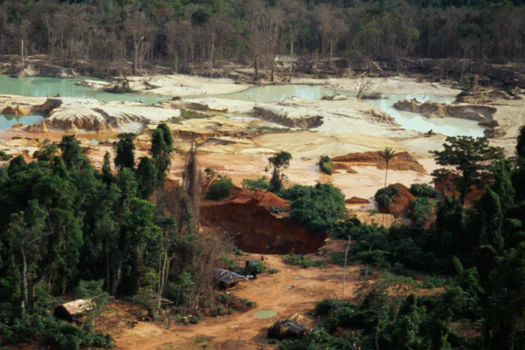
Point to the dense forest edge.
(188, 36)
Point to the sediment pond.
(41, 86)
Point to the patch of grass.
(258, 268)
(237, 251)
(301, 260)
(191, 114)
(257, 184)
(202, 339)
(249, 303)
(274, 271)
(434, 281)
(277, 209)
(230, 264)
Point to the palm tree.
(387, 154)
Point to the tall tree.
(125, 157)
(147, 177)
(387, 154)
(161, 149)
(279, 161)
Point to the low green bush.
(257, 184)
(386, 196)
(421, 211)
(424, 190)
(220, 189)
(301, 260)
(325, 165)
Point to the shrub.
(424, 190)
(325, 165)
(258, 184)
(319, 207)
(4, 156)
(301, 260)
(274, 271)
(434, 281)
(256, 267)
(421, 211)
(386, 196)
(220, 189)
(277, 209)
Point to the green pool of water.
(265, 314)
(7, 121)
(41, 86)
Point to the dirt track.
(292, 290)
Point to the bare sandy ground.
(391, 85)
(292, 290)
(184, 85)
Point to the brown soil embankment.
(248, 216)
(401, 161)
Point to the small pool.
(7, 121)
(263, 314)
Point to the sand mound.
(357, 200)
(401, 161)
(248, 216)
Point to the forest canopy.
(202, 34)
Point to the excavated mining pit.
(248, 217)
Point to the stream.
(41, 86)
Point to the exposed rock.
(287, 329)
(247, 215)
(481, 113)
(336, 97)
(71, 114)
(93, 84)
(44, 70)
(357, 200)
(202, 129)
(288, 116)
(401, 161)
(372, 96)
(212, 104)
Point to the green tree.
(491, 218)
(387, 154)
(467, 159)
(125, 157)
(161, 149)
(96, 297)
(72, 152)
(147, 177)
(278, 161)
(107, 174)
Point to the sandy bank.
(391, 85)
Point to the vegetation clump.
(424, 190)
(303, 261)
(257, 184)
(220, 189)
(319, 207)
(325, 165)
